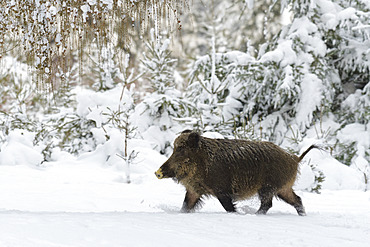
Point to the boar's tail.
(308, 150)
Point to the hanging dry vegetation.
(47, 30)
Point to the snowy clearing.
(77, 203)
(170, 229)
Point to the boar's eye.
(181, 150)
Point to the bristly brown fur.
(232, 170)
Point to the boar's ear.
(193, 140)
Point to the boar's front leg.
(191, 200)
(227, 202)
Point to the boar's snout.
(165, 171)
(159, 173)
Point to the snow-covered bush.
(50, 117)
(111, 111)
(19, 149)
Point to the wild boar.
(232, 170)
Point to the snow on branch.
(50, 29)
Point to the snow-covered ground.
(80, 202)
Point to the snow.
(79, 202)
(94, 104)
(334, 14)
(85, 201)
(310, 99)
(164, 229)
(357, 133)
(250, 3)
(85, 9)
(18, 149)
(341, 177)
(12, 66)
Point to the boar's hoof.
(301, 211)
(159, 174)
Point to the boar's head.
(182, 162)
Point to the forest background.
(78, 76)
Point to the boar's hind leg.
(265, 194)
(227, 202)
(190, 202)
(291, 198)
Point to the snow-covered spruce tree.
(111, 111)
(21, 106)
(297, 74)
(160, 112)
(62, 127)
(103, 72)
(347, 32)
(349, 44)
(209, 18)
(239, 25)
(20, 99)
(290, 82)
(64, 96)
(345, 27)
(212, 76)
(316, 70)
(214, 90)
(120, 119)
